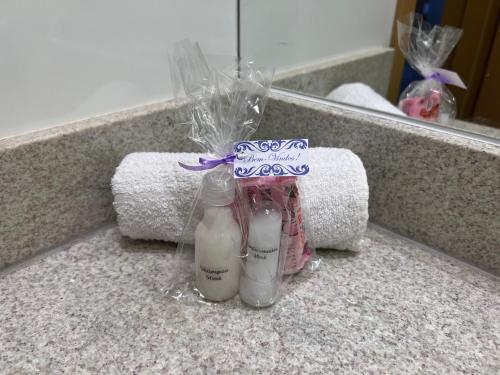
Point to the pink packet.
(297, 251)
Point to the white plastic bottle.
(217, 240)
(260, 278)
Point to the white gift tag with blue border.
(278, 157)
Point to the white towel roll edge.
(153, 196)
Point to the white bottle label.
(212, 274)
(262, 263)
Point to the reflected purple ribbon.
(209, 163)
(439, 77)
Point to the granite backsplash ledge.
(55, 183)
(439, 189)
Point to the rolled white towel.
(362, 95)
(153, 196)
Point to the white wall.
(64, 60)
(290, 33)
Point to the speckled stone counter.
(98, 306)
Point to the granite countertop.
(98, 306)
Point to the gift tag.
(287, 157)
(449, 77)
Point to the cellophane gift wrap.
(246, 231)
(426, 49)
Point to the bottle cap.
(217, 188)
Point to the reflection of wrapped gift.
(423, 107)
(426, 47)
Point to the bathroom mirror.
(347, 51)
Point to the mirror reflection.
(431, 60)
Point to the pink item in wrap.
(423, 107)
(297, 253)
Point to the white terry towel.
(362, 95)
(153, 196)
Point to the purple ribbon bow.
(440, 78)
(209, 163)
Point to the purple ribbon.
(209, 163)
(439, 77)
